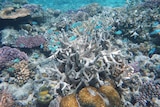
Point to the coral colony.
(94, 56)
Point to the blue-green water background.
(75, 4)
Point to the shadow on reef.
(14, 22)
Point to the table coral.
(12, 13)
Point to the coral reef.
(12, 13)
(105, 96)
(22, 72)
(69, 101)
(112, 95)
(95, 56)
(89, 96)
(7, 54)
(6, 99)
(29, 41)
(44, 97)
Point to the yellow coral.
(69, 101)
(44, 97)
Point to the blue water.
(75, 4)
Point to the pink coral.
(6, 99)
(30, 42)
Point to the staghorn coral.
(12, 13)
(22, 72)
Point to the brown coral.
(89, 96)
(22, 72)
(69, 101)
(12, 13)
(112, 95)
(105, 96)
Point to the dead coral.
(12, 13)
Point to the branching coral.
(22, 72)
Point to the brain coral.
(105, 96)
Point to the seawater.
(75, 4)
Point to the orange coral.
(12, 13)
(69, 101)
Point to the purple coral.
(8, 54)
(29, 42)
(147, 91)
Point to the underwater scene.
(79, 53)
